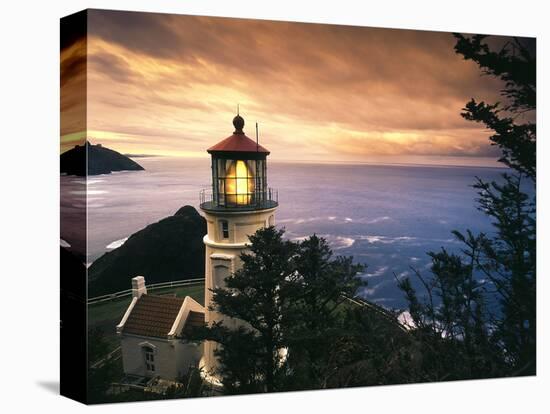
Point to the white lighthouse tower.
(237, 205)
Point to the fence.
(113, 355)
(198, 281)
(379, 310)
(154, 286)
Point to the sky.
(163, 84)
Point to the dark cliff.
(171, 249)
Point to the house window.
(224, 228)
(149, 358)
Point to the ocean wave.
(361, 220)
(371, 239)
(385, 239)
(338, 242)
(286, 221)
(406, 320)
(299, 238)
(335, 242)
(343, 242)
(403, 275)
(378, 272)
(378, 220)
(373, 290)
(117, 243)
(302, 220)
(297, 220)
(307, 220)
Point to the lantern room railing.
(258, 200)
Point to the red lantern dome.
(238, 142)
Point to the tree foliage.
(515, 65)
(321, 284)
(477, 317)
(285, 298)
(260, 294)
(451, 321)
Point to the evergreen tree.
(509, 258)
(286, 299)
(259, 296)
(452, 322)
(515, 64)
(473, 329)
(373, 349)
(322, 284)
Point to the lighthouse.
(238, 203)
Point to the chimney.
(138, 287)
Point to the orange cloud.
(73, 94)
(169, 84)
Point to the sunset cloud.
(169, 84)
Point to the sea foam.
(117, 243)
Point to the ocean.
(385, 216)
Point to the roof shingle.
(153, 316)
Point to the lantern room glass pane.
(238, 182)
(221, 168)
(238, 187)
(251, 164)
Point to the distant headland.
(101, 160)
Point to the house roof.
(194, 319)
(153, 316)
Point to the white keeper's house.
(238, 203)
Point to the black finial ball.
(238, 123)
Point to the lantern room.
(239, 174)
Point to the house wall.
(172, 358)
(188, 355)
